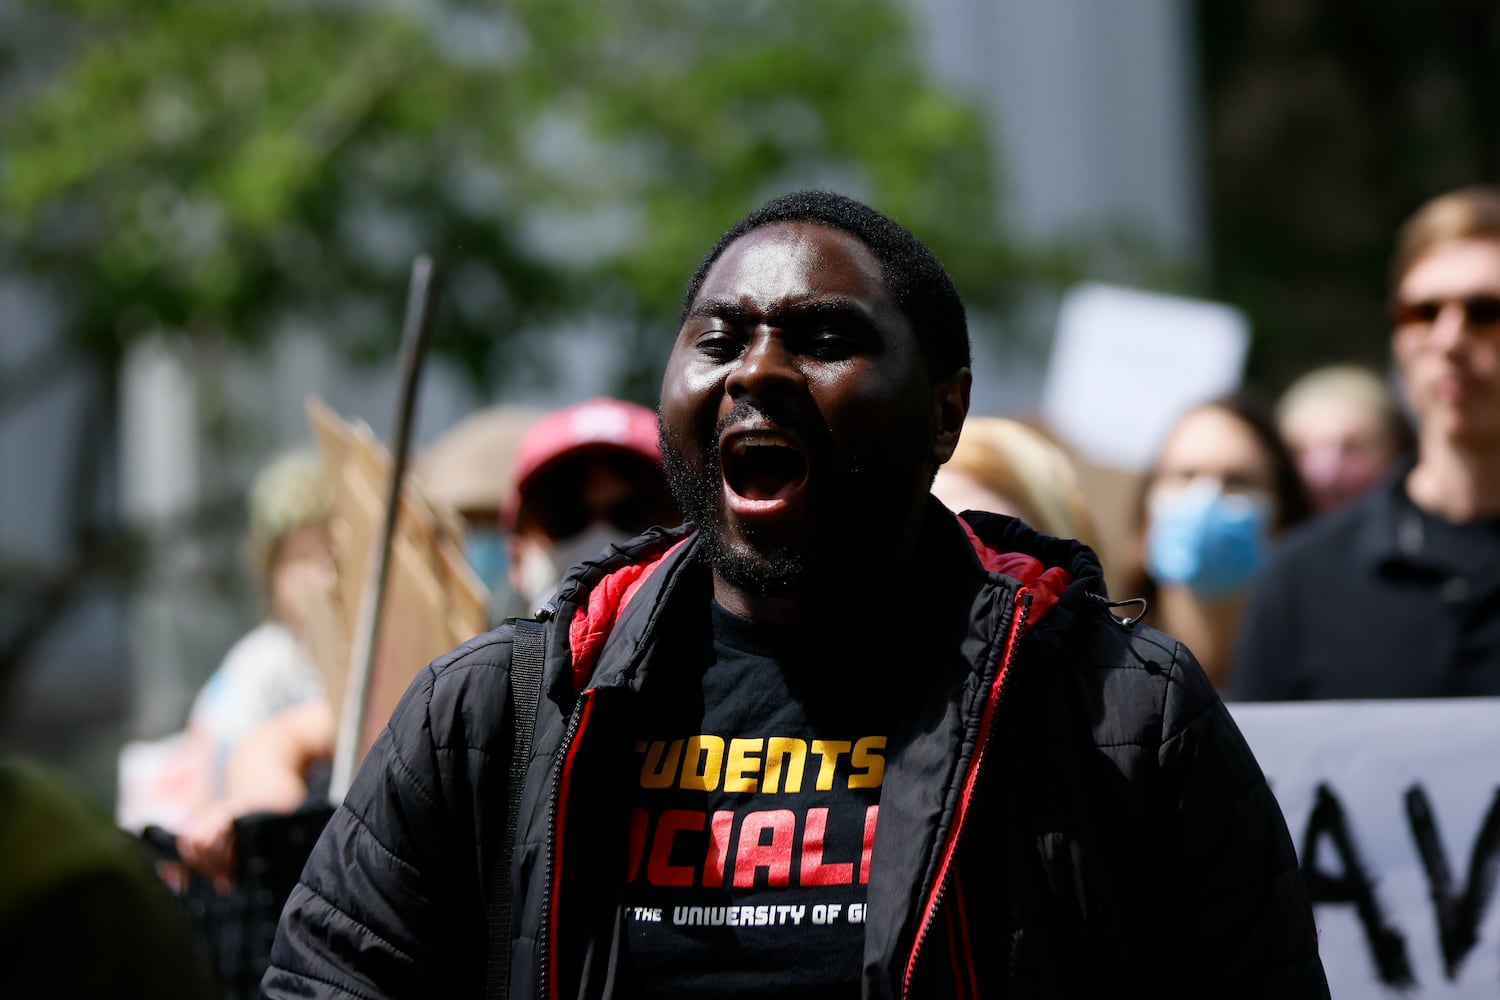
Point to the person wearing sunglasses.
(1394, 595)
(586, 476)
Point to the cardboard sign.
(1126, 364)
(1395, 811)
(434, 601)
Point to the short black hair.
(915, 277)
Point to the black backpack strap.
(527, 651)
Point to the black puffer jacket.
(1069, 812)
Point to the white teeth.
(747, 441)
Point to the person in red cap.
(586, 476)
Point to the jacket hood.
(600, 594)
(1082, 592)
(1008, 535)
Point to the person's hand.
(267, 769)
(206, 845)
(264, 774)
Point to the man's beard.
(699, 495)
(864, 524)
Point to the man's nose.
(1450, 328)
(767, 366)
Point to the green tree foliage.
(215, 169)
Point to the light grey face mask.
(541, 569)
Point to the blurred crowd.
(1299, 546)
(1339, 540)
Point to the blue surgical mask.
(484, 548)
(1212, 542)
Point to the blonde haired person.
(172, 782)
(1006, 467)
(1346, 429)
(269, 668)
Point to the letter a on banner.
(1353, 887)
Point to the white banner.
(1394, 807)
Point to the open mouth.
(763, 470)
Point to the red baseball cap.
(598, 425)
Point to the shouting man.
(827, 739)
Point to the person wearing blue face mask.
(1205, 538)
(1223, 490)
(485, 550)
(469, 469)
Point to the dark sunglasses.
(1480, 311)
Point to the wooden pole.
(421, 307)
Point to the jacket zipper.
(554, 848)
(971, 782)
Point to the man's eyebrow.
(718, 309)
(831, 306)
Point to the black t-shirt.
(754, 814)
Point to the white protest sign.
(1394, 808)
(1126, 363)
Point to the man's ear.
(950, 401)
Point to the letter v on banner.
(1458, 915)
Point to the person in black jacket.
(1394, 595)
(826, 739)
